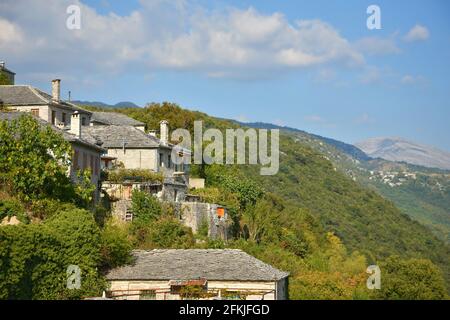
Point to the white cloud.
(417, 33)
(412, 80)
(364, 119)
(10, 34)
(167, 35)
(377, 45)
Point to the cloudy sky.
(310, 65)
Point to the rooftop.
(113, 118)
(189, 264)
(22, 95)
(114, 136)
(85, 139)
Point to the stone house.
(49, 108)
(86, 150)
(132, 148)
(171, 274)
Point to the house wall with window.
(40, 111)
(162, 290)
(86, 158)
(52, 114)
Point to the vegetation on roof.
(138, 175)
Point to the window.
(92, 163)
(75, 160)
(63, 118)
(128, 215)
(85, 160)
(35, 112)
(220, 212)
(83, 121)
(169, 161)
(161, 160)
(53, 116)
(96, 166)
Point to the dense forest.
(309, 219)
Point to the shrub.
(166, 232)
(115, 246)
(34, 258)
(12, 207)
(146, 207)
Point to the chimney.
(75, 124)
(56, 89)
(164, 131)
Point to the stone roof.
(114, 136)
(189, 264)
(23, 95)
(113, 118)
(86, 139)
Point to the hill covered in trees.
(310, 218)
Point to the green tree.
(34, 258)
(166, 232)
(4, 79)
(146, 207)
(115, 246)
(411, 279)
(34, 159)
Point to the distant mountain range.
(349, 149)
(400, 150)
(122, 104)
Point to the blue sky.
(249, 60)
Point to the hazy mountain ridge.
(398, 149)
(122, 104)
(345, 147)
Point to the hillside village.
(142, 225)
(122, 156)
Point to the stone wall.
(136, 158)
(194, 214)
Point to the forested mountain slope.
(308, 180)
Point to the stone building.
(86, 150)
(50, 108)
(171, 274)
